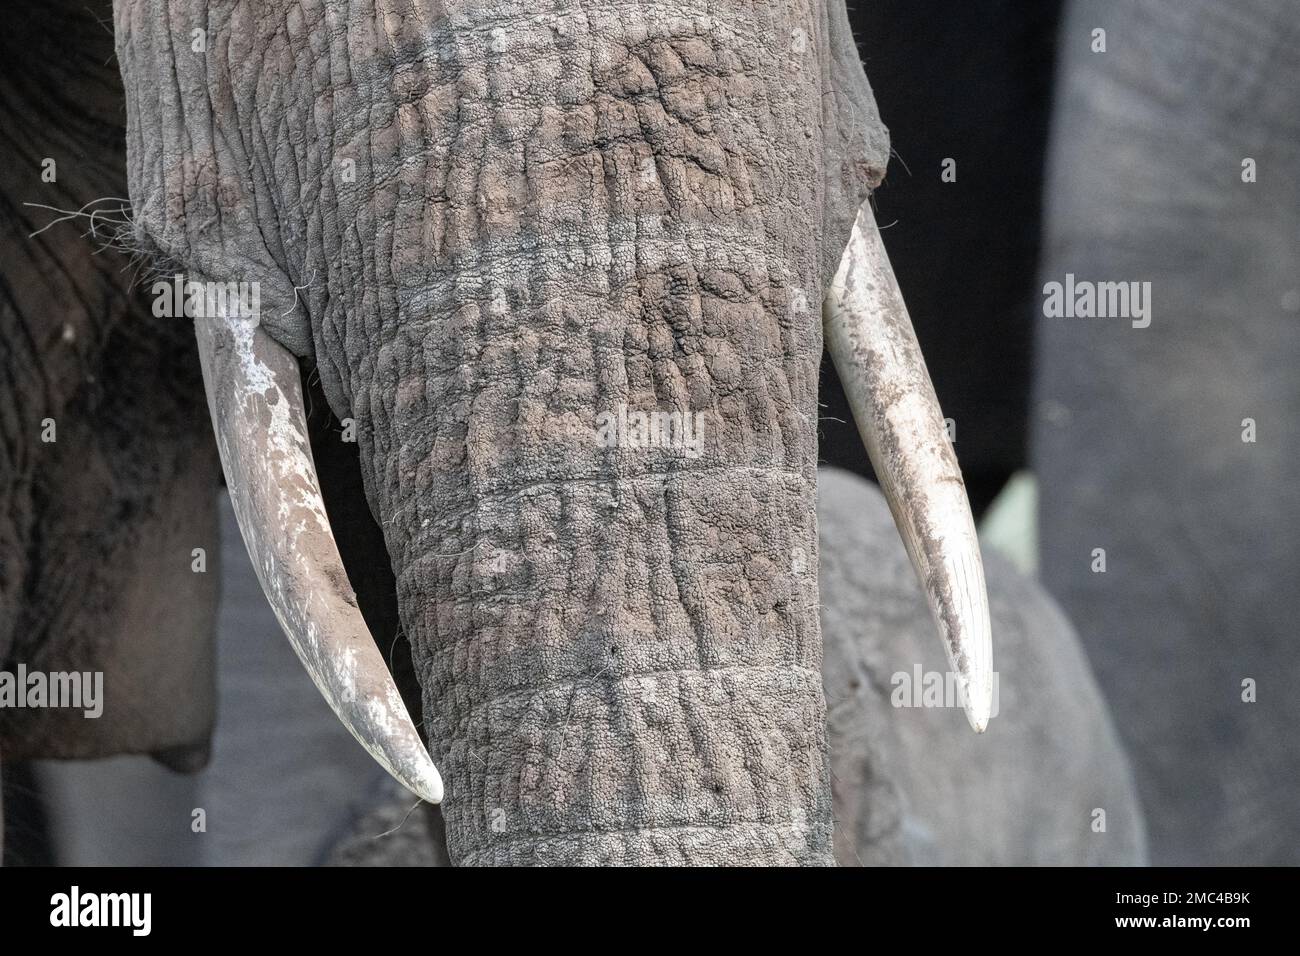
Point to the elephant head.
(501, 232)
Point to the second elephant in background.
(1166, 452)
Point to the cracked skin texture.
(487, 224)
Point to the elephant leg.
(121, 811)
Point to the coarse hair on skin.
(114, 227)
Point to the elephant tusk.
(255, 398)
(874, 348)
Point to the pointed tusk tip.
(425, 783)
(978, 711)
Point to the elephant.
(1164, 443)
(558, 277)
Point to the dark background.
(972, 82)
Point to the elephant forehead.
(427, 136)
(624, 138)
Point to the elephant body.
(284, 778)
(1165, 454)
(911, 785)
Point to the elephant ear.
(856, 141)
(120, 566)
(108, 470)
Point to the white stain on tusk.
(255, 398)
(870, 338)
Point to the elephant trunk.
(612, 605)
(619, 666)
(587, 409)
(595, 467)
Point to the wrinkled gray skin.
(556, 210)
(1138, 435)
(910, 785)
